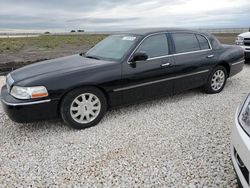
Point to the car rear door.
(149, 78)
(193, 60)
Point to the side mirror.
(139, 56)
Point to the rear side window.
(203, 42)
(214, 42)
(185, 42)
(155, 46)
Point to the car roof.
(148, 31)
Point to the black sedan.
(124, 68)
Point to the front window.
(113, 47)
(155, 46)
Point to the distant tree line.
(72, 31)
(79, 31)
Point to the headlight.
(240, 40)
(244, 117)
(29, 92)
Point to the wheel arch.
(226, 65)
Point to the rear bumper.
(28, 111)
(240, 152)
(236, 67)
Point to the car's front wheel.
(83, 108)
(216, 81)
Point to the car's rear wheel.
(83, 108)
(216, 81)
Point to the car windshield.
(113, 47)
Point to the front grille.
(242, 167)
(247, 41)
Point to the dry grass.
(227, 38)
(47, 42)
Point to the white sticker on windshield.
(129, 38)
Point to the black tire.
(208, 86)
(65, 107)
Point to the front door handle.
(165, 64)
(210, 56)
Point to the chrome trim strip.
(159, 57)
(183, 53)
(239, 62)
(9, 79)
(153, 58)
(157, 81)
(9, 82)
(25, 103)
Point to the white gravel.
(180, 141)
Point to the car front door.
(148, 78)
(193, 59)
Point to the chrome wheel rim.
(218, 80)
(85, 108)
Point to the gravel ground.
(180, 141)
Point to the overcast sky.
(104, 15)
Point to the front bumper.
(28, 111)
(236, 67)
(247, 55)
(240, 153)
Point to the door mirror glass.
(139, 56)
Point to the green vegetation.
(48, 42)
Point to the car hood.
(68, 63)
(245, 35)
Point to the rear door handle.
(210, 56)
(165, 64)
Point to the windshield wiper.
(91, 57)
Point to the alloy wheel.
(85, 108)
(218, 80)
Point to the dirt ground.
(227, 38)
(13, 60)
(15, 53)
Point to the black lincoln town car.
(122, 69)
